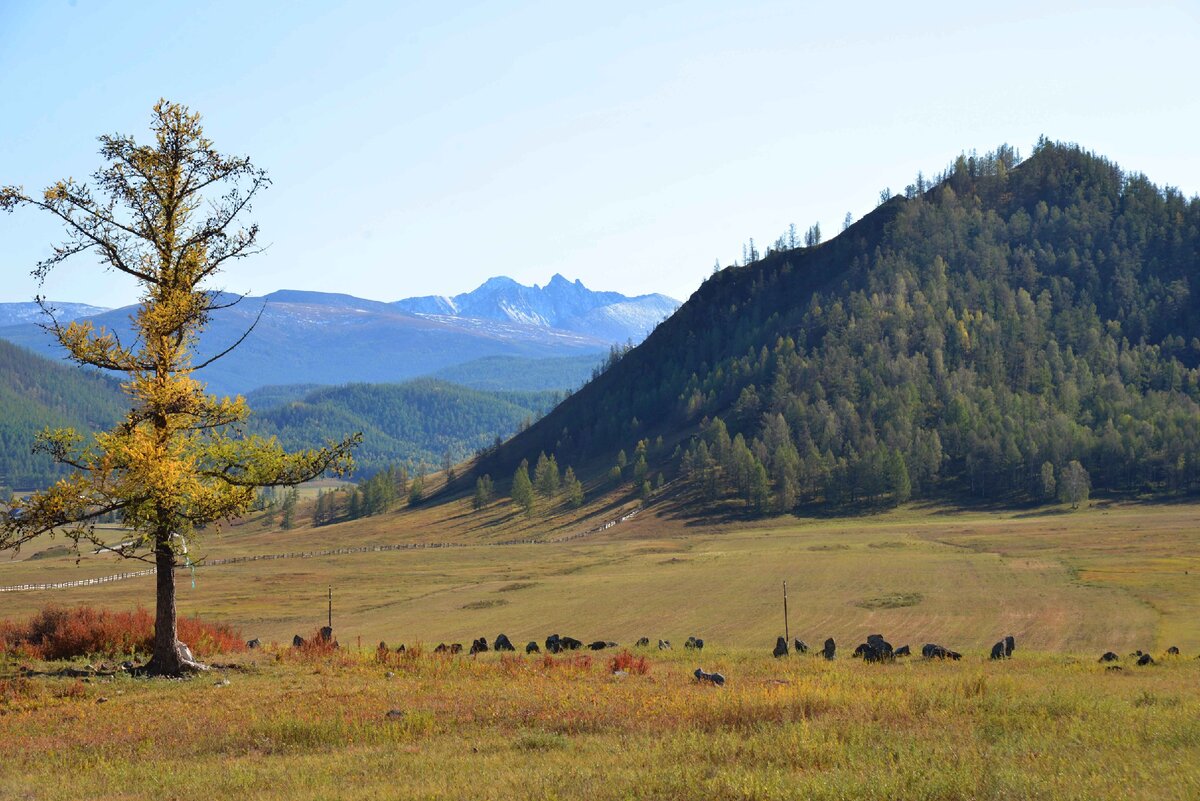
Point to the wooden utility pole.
(786, 634)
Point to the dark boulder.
(1010, 645)
(532, 647)
(252, 644)
(298, 641)
(456, 648)
(711, 678)
(441, 648)
(400, 648)
(830, 649)
(326, 634)
(781, 648)
(1108, 656)
(643, 642)
(664, 645)
(801, 646)
(903, 650)
(502, 643)
(570, 643)
(598, 645)
(1173, 651)
(998, 650)
(479, 646)
(1145, 659)
(694, 643)
(553, 644)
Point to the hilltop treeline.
(972, 339)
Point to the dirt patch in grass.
(674, 560)
(888, 544)
(517, 585)
(838, 547)
(484, 604)
(892, 600)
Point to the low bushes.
(65, 633)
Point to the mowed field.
(1117, 577)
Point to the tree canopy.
(167, 214)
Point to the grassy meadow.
(1118, 577)
(1039, 726)
(1049, 723)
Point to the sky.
(420, 148)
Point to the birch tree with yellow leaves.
(168, 214)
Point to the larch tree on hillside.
(167, 214)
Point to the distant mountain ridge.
(562, 304)
(331, 339)
(30, 312)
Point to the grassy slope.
(1114, 576)
(1037, 727)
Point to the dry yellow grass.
(1119, 577)
(1035, 727)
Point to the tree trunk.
(170, 657)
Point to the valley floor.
(1118, 577)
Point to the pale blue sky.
(419, 148)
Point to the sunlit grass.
(1038, 726)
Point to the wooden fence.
(403, 546)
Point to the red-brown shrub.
(637, 665)
(60, 633)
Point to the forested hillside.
(974, 338)
(36, 393)
(412, 423)
(402, 424)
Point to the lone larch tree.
(169, 215)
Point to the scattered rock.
(664, 645)
(903, 650)
(1145, 659)
(1010, 645)
(395, 714)
(479, 646)
(456, 648)
(598, 645)
(102, 700)
(298, 641)
(532, 648)
(712, 678)
(643, 642)
(781, 648)
(830, 650)
(998, 650)
(1108, 656)
(801, 646)
(1114, 667)
(694, 643)
(326, 633)
(389, 675)
(441, 648)
(1173, 651)
(502, 643)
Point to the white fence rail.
(233, 560)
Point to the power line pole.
(786, 634)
